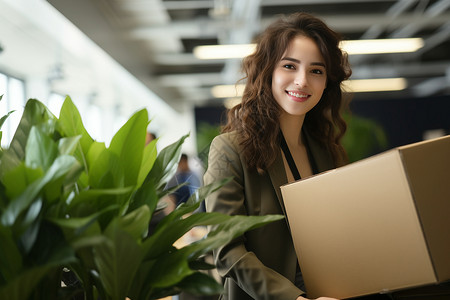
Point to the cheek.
(320, 84)
(277, 79)
(277, 89)
(274, 79)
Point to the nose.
(301, 79)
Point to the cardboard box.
(378, 225)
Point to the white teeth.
(298, 95)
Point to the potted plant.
(72, 206)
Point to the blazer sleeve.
(233, 260)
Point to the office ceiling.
(154, 39)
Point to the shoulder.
(231, 136)
(226, 141)
(224, 158)
(225, 148)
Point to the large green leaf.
(169, 269)
(23, 285)
(200, 284)
(89, 241)
(34, 114)
(80, 224)
(47, 256)
(51, 247)
(90, 196)
(166, 234)
(72, 125)
(60, 190)
(148, 159)
(117, 261)
(10, 256)
(128, 144)
(197, 284)
(27, 236)
(29, 281)
(83, 243)
(140, 289)
(61, 166)
(175, 262)
(201, 193)
(171, 273)
(136, 222)
(104, 171)
(18, 179)
(32, 213)
(68, 145)
(95, 151)
(226, 231)
(174, 226)
(3, 119)
(166, 163)
(40, 151)
(93, 155)
(145, 195)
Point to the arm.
(234, 260)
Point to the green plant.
(72, 206)
(364, 137)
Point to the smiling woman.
(287, 126)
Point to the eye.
(318, 71)
(289, 66)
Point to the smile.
(298, 95)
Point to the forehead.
(302, 47)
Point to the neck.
(291, 126)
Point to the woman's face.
(299, 78)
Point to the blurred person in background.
(186, 176)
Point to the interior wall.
(407, 121)
(404, 121)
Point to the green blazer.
(262, 263)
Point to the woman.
(287, 127)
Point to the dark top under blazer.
(262, 263)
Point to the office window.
(13, 91)
(3, 103)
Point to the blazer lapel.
(278, 177)
(322, 158)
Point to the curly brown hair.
(256, 118)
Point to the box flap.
(427, 166)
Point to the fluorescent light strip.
(374, 85)
(223, 51)
(354, 86)
(382, 46)
(351, 47)
(228, 91)
(231, 102)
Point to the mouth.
(298, 96)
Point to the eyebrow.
(297, 61)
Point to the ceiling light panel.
(352, 47)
